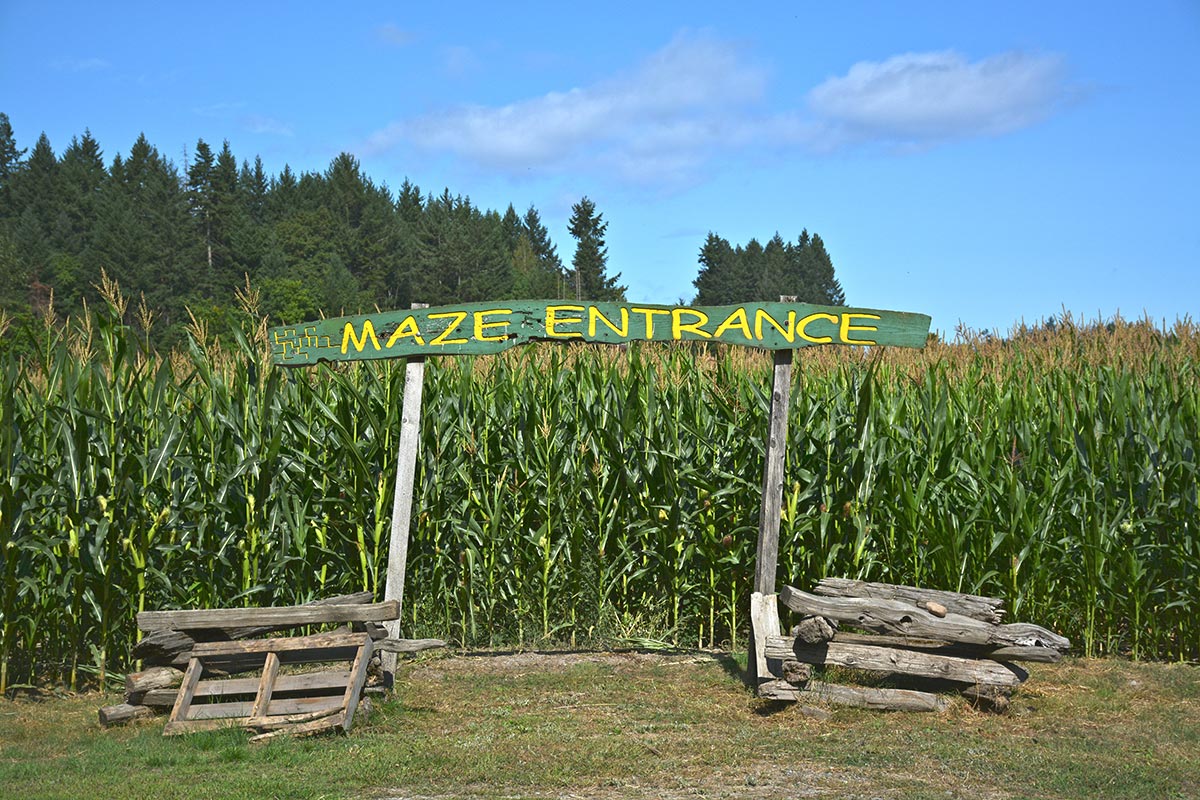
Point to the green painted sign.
(477, 328)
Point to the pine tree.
(713, 283)
(10, 164)
(546, 278)
(589, 274)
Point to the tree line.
(187, 238)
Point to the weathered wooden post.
(764, 614)
(406, 475)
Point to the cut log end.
(123, 713)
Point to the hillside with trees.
(187, 237)
(182, 240)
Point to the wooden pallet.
(288, 703)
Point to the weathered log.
(984, 609)
(904, 618)
(152, 678)
(992, 698)
(172, 648)
(887, 659)
(286, 616)
(1046, 655)
(122, 713)
(855, 696)
(408, 645)
(813, 630)
(764, 622)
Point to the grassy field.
(669, 725)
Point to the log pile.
(922, 639)
(171, 637)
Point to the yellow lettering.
(802, 328)
(456, 318)
(788, 333)
(649, 314)
(846, 327)
(678, 327)
(553, 321)
(735, 320)
(594, 314)
(481, 325)
(406, 328)
(348, 337)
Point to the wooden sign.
(477, 328)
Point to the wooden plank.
(478, 328)
(402, 498)
(856, 696)
(301, 729)
(243, 710)
(984, 609)
(766, 560)
(407, 645)
(266, 685)
(887, 659)
(173, 648)
(286, 616)
(899, 617)
(318, 641)
(1044, 655)
(355, 686)
(234, 687)
(187, 688)
(764, 622)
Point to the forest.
(183, 239)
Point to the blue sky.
(982, 163)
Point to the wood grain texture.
(764, 623)
(905, 619)
(855, 696)
(281, 616)
(984, 609)
(402, 499)
(1045, 655)
(123, 713)
(891, 660)
(766, 559)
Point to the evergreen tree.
(543, 277)
(589, 277)
(10, 164)
(802, 270)
(714, 283)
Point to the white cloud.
(698, 98)
(928, 97)
(655, 119)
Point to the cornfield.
(592, 495)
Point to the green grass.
(631, 725)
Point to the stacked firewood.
(170, 636)
(923, 639)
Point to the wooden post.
(406, 473)
(766, 559)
